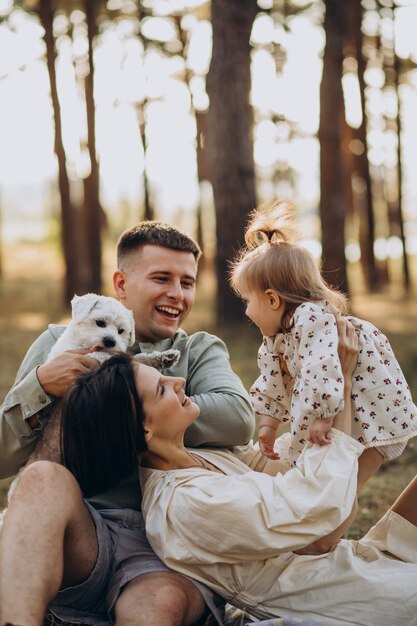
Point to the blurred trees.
(229, 138)
(94, 217)
(361, 175)
(361, 204)
(69, 221)
(332, 174)
(81, 225)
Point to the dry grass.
(30, 297)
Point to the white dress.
(237, 532)
(383, 413)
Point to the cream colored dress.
(236, 532)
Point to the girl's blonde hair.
(273, 260)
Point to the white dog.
(104, 323)
(97, 322)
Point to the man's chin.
(165, 331)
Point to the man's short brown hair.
(158, 234)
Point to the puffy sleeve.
(319, 388)
(213, 518)
(270, 393)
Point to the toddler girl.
(300, 373)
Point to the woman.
(253, 537)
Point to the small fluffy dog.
(97, 322)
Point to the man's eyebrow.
(167, 273)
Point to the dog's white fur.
(97, 322)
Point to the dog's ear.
(83, 305)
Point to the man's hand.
(56, 375)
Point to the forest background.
(194, 112)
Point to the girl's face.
(167, 409)
(265, 309)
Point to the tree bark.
(400, 216)
(93, 212)
(333, 202)
(69, 222)
(229, 139)
(148, 212)
(366, 208)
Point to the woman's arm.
(348, 354)
(348, 348)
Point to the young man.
(83, 559)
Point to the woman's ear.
(148, 433)
(273, 298)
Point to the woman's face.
(167, 409)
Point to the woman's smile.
(169, 411)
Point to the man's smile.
(168, 310)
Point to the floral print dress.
(383, 412)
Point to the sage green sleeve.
(25, 399)
(226, 416)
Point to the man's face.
(158, 285)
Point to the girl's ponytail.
(274, 224)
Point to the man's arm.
(226, 416)
(29, 402)
(25, 403)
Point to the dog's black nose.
(109, 342)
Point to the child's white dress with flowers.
(383, 412)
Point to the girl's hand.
(320, 431)
(266, 438)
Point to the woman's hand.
(348, 346)
(348, 349)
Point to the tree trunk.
(203, 174)
(366, 204)
(333, 203)
(229, 139)
(94, 214)
(399, 211)
(69, 221)
(148, 212)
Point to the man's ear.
(274, 299)
(119, 283)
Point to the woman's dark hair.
(102, 426)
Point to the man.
(55, 549)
